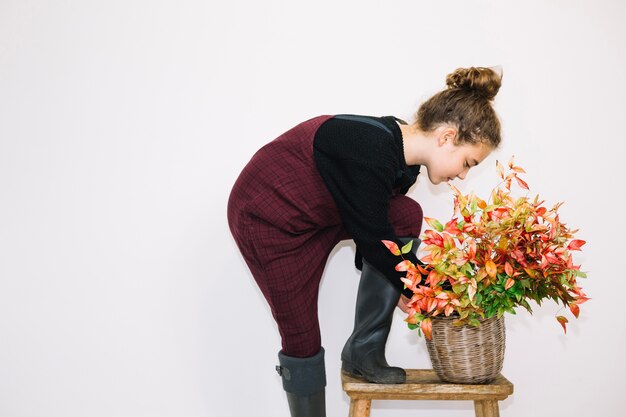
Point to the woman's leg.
(364, 352)
(288, 270)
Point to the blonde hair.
(467, 105)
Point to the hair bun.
(484, 81)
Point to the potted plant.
(493, 256)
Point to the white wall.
(123, 125)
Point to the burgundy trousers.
(286, 224)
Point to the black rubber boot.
(304, 381)
(364, 352)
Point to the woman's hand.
(402, 304)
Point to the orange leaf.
(412, 319)
(563, 322)
(455, 190)
(500, 169)
(471, 289)
(432, 304)
(508, 269)
(448, 310)
(404, 266)
(509, 283)
(574, 309)
(576, 244)
(392, 246)
(409, 284)
(471, 250)
(491, 268)
(427, 327)
(448, 242)
(511, 161)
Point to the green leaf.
(407, 248)
(412, 326)
(458, 288)
(437, 225)
(525, 304)
(478, 299)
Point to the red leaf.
(392, 246)
(576, 244)
(521, 182)
(563, 322)
(574, 309)
(452, 227)
(432, 238)
(582, 300)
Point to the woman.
(345, 177)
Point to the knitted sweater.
(363, 167)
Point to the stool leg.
(360, 407)
(487, 408)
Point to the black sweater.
(363, 167)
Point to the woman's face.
(454, 161)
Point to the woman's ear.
(447, 134)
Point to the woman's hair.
(465, 104)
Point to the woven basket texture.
(467, 354)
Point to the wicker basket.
(467, 354)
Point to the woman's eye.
(465, 164)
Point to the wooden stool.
(423, 384)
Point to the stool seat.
(424, 384)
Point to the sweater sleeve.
(359, 164)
